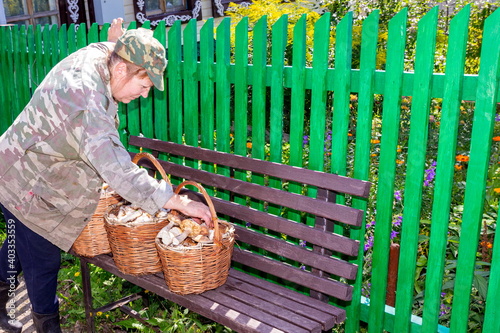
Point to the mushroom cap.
(195, 228)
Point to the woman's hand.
(115, 30)
(190, 208)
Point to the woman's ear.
(120, 70)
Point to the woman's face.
(127, 88)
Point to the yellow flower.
(374, 141)
(77, 274)
(399, 161)
(497, 190)
(458, 167)
(99, 314)
(249, 145)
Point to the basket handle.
(155, 162)
(217, 235)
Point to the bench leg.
(87, 295)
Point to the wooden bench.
(312, 261)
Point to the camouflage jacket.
(63, 145)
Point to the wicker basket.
(133, 247)
(195, 269)
(93, 240)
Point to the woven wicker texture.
(94, 240)
(133, 247)
(195, 269)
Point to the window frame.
(220, 6)
(31, 16)
(193, 12)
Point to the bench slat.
(329, 210)
(266, 296)
(327, 314)
(258, 313)
(329, 181)
(334, 242)
(327, 286)
(280, 247)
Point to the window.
(31, 12)
(166, 10)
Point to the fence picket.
(191, 119)
(93, 34)
(341, 99)
(491, 322)
(298, 104)
(484, 119)
(259, 91)
(416, 160)
(63, 42)
(81, 36)
(160, 97)
(341, 102)
(279, 40)
(223, 93)
(207, 79)
(318, 93)
(367, 68)
(17, 41)
(6, 70)
(445, 168)
(387, 167)
(175, 82)
(223, 87)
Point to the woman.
(56, 156)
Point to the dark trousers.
(38, 259)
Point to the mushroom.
(173, 217)
(192, 229)
(127, 214)
(175, 232)
(167, 235)
(202, 239)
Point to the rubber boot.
(46, 323)
(8, 321)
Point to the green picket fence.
(222, 96)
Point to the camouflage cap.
(140, 47)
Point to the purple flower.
(370, 224)
(430, 174)
(394, 234)
(369, 243)
(302, 243)
(398, 221)
(397, 195)
(305, 140)
(497, 118)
